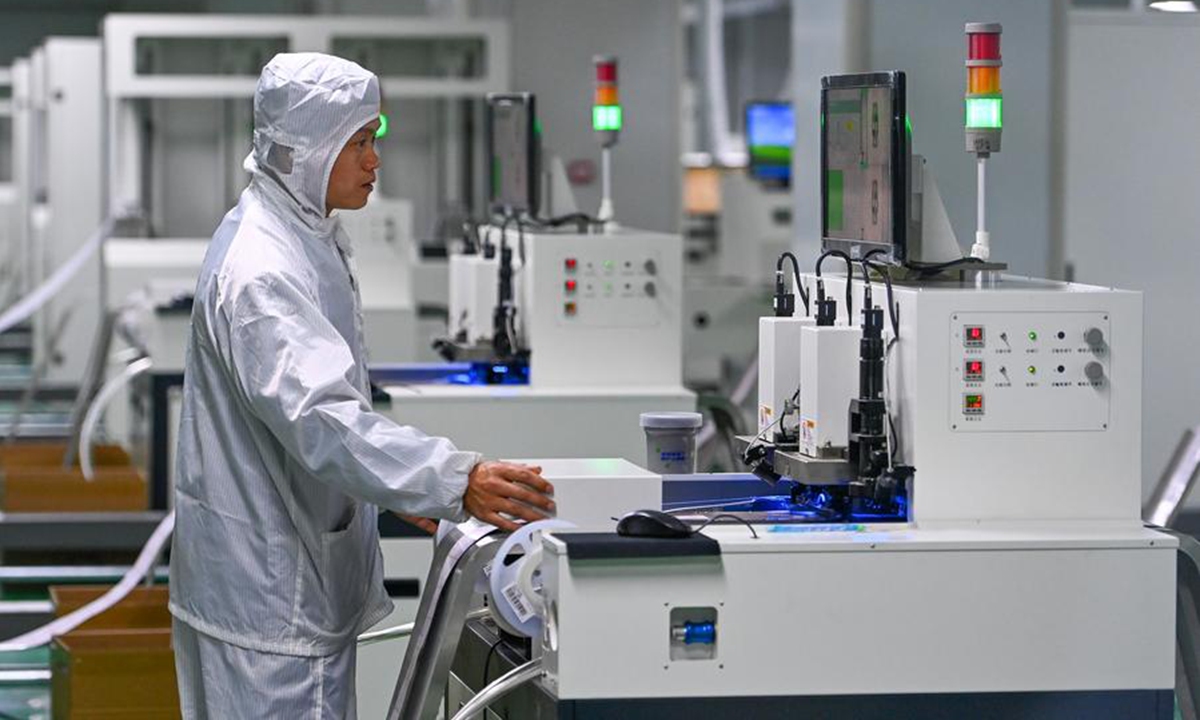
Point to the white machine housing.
(473, 279)
(828, 368)
(599, 309)
(590, 492)
(778, 368)
(592, 371)
(1049, 445)
(1025, 566)
(965, 610)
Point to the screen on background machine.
(770, 135)
(513, 154)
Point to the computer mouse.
(654, 524)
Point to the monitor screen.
(865, 160)
(770, 134)
(512, 142)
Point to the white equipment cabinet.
(601, 315)
(1023, 580)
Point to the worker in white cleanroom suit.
(282, 464)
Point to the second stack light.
(984, 102)
(606, 106)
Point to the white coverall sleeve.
(295, 370)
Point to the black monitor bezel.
(533, 154)
(901, 162)
(751, 166)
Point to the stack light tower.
(983, 116)
(606, 122)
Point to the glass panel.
(206, 56)
(442, 57)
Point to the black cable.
(866, 271)
(575, 217)
(926, 270)
(487, 661)
(714, 518)
(787, 255)
(893, 310)
(489, 247)
(849, 278)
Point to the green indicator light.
(1032, 370)
(383, 126)
(606, 117)
(985, 112)
(608, 264)
(1033, 336)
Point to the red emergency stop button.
(570, 264)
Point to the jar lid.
(672, 420)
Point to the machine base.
(535, 703)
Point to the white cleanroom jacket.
(281, 460)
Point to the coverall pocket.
(226, 577)
(344, 556)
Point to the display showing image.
(512, 185)
(770, 134)
(858, 150)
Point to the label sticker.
(517, 600)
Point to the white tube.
(96, 410)
(606, 204)
(714, 81)
(982, 248)
(981, 194)
(31, 303)
(405, 630)
(67, 623)
(505, 684)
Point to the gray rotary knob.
(651, 291)
(1094, 337)
(1094, 371)
(651, 267)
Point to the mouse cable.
(714, 518)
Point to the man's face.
(353, 176)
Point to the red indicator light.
(983, 45)
(606, 69)
(570, 263)
(974, 367)
(975, 333)
(570, 286)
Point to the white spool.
(515, 588)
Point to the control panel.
(1029, 371)
(608, 288)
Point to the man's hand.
(515, 490)
(429, 526)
